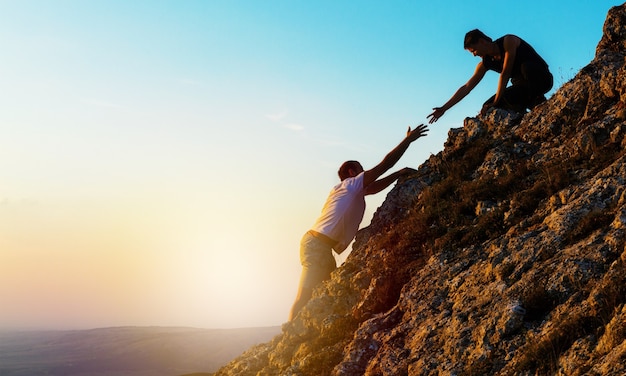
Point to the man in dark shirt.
(514, 59)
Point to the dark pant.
(528, 90)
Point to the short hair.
(344, 170)
(473, 36)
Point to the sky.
(160, 160)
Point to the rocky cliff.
(503, 255)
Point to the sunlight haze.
(160, 160)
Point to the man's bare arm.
(461, 93)
(385, 182)
(393, 156)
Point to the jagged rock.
(505, 254)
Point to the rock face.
(503, 255)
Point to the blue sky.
(160, 160)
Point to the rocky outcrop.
(503, 255)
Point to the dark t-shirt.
(525, 54)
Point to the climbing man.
(515, 60)
(342, 214)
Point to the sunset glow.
(160, 160)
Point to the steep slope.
(504, 254)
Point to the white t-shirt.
(343, 212)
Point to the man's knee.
(302, 297)
(304, 294)
(538, 77)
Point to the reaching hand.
(416, 133)
(437, 113)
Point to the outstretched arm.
(370, 176)
(385, 182)
(511, 42)
(478, 75)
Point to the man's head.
(476, 42)
(349, 169)
(472, 37)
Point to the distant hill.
(125, 351)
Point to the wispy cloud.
(276, 117)
(294, 127)
(281, 117)
(100, 103)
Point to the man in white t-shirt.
(341, 216)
